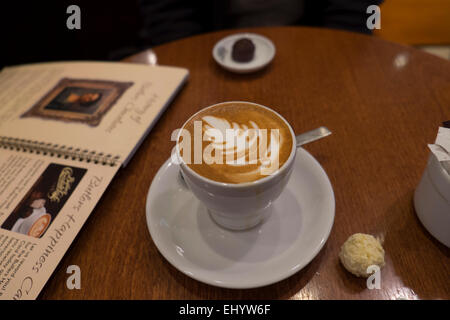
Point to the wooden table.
(383, 102)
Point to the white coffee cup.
(244, 205)
(432, 200)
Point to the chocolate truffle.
(243, 50)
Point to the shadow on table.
(351, 284)
(221, 72)
(421, 255)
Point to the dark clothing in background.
(36, 31)
(168, 20)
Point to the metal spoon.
(312, 135)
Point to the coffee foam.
(259, 143)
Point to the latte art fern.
(240, 144)
(234, 142)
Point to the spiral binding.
(55, 150)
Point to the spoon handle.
(312, 135)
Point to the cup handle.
(180, 178)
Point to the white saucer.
(264, 53)
(288, 240)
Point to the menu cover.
(65, 129)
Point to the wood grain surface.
(383, 102)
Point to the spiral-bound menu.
(65, 130)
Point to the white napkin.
(441, 148)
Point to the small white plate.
(264, 53)
(288, 240)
